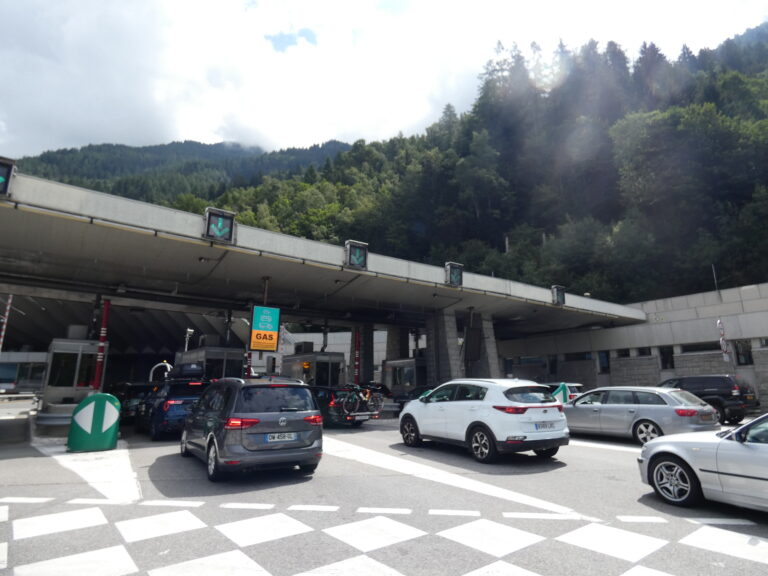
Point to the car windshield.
(275, 398)
(529, 395)
(685, 397)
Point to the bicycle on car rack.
(362, 399)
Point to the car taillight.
(240, 423)
(512, 409)
(686, 412)
(168, 403)
(333, 401)
(194, 384)
(735, 390)
(316, 420)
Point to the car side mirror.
(423, 399)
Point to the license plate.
(281, 437)
(545, 425)
(750, 397)
(361, 417)
(708, 417)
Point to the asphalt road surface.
(373, 507)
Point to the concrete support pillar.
(361, 355)
(443, 354)
(397, 343)
(487, 365)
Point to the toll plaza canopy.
(165, 270)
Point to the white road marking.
(114, 561)
(108, 471)
(642, 519)
(356, 565)
(728, 542)
(643, 571)
(158, 525)
(313, 508)
(22, 500)
(55, 523)
(247, 506)
(262, 529)
(491, 537)
(614, 447)
(349, 451)
(501, 568)
(615, 542)
(721, 521)
(99, 501)
(545, 516)
(173, 503)
(369, 510)
(233, 563)
(454, 512)
(374, 533)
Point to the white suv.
(488, 416)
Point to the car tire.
(720, 413)
(183, 450)
(482, 445)
(212, 465)
(674, 481)
(547, 452)
(409, 430)
(646, 430)
(357, 423)
(307, 468)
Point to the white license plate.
(361, 417)
(707, 417)
(281, 437)
(545, 425)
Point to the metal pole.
(5, 320)
(97, 373)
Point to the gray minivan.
(256, 423)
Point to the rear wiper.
(288, 409)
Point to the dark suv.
(728, 394)
(254, 423)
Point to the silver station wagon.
(261, 423)
(639, 412)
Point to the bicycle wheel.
(350, 403)
(375, 402)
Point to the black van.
(728, 394)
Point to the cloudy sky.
(293, 73)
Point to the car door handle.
(631, 410)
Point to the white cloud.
(152, 71)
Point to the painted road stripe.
(55, 523)
(158, 525)
(374, 533)
(108, 471)
(369, 510)
(730, 543)
(642, 519)
(545, 516)
(22, 500)
(614, 447)
(721, 521)
(262, 529)
(234, 563)
(615, 542)
(99, 502)
(342, 449)
(313, 508)
(454, 512)
(114, 561)
(491, 537)
(173, 503)
(247, 506)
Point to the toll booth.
(403, 375)
(217, 362)
(68, 379)
(317, 368)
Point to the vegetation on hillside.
(626, 181)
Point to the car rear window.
(685, 397)
(529, 395)
(274, 399)
(186, 388)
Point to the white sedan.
(729, 466)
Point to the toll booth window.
(63, 366)
(86, 370)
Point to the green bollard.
(95, 424)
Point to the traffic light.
(356, 254)
(219, 225)
(454, 274)
(558, 295)
(6, 172)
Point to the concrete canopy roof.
(61, 245)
